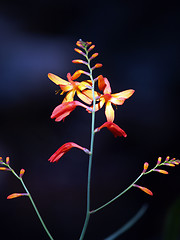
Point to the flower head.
(64, 109)
(71, 86)
(64, 149)
(108, 99)
(114, 128)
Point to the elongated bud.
(169, 164)
(98, 65)
(7, 160)
(146, 165)
(167, 158)
(22, 171)
(160, 171)
(159, 160)
(91, 48)
(146, 190)
(93, 56)
(15, 195)
(79, 61)
(80, 52)
(4, 169)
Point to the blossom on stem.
(64, 149)
(72, 87)
(146, 190)
(108, 99)
(64, 109)
(114, 128)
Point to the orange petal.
(146, 190)
(109, 112)
(57, 80)
(101, 83)
(15, 195)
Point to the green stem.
(119, 195)
(33, 204)
(90, 156)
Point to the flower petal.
(83, 97)
(64, 109)
(57, 80)
(64, 149)
(69, 96)
(124, 94)
(107, 89)
(114, 128)
(109, 112)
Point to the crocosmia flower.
(108, 99)
(114, 128)
(72, 87)
(64, 149)
(64, 109)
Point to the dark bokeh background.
(139, 46)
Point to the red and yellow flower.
(72, 87)
(114, 128)
(108, 99)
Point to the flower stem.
(91, 155)
(33, 204)
(119, 195)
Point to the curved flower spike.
(114, 128)
(64, 109)
(72, 87)
(146, 190)
(109, 99)
(64, 149)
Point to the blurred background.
(139, 45)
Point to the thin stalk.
(119, 195)
(33, 204)
(90, 156)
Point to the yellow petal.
(84, 98)
(124, 94)
(69, 96)
(84, 84)
(109, 112)
(57, 80)
(66, 88)
(100, 104)
(117, 101)
(89, 94)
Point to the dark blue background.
(139, 47)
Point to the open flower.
(108, 99)
(64, 149)
(64, 109)
(114, 128)
(72, 87)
